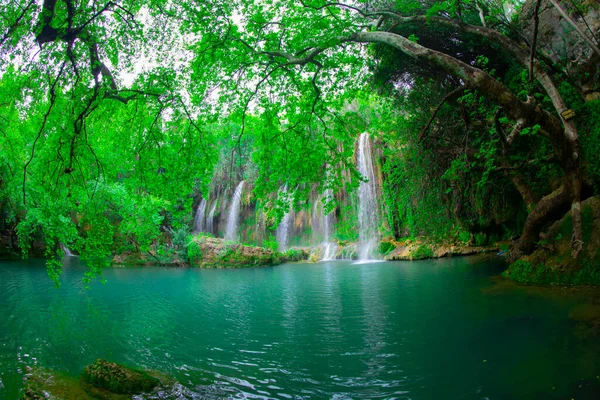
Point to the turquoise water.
(407, 330)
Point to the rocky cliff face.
(562, 44)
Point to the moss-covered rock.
(220, 253)
(552, 264)
(117, 378)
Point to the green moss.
(117, 378)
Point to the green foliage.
(194, 254)
(463, 237)
(105, 166)
(480, 239)
(527, 273)
(589, 122)
(385, 248)
(295, 255)
(422, 252)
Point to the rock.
(416, 251)
(346, 251)
(117, 378)
(177, 391)
(219, 253)
(45, 384)
(562, 44)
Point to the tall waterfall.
(283, 229)
(199, 219)
(234, 213)
(368, 220)
(329, 248)
(211, 218)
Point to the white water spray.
(234, 213)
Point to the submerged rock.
(41, 384)
(117, 378)
(177, 391)
(587, 317)
(104, 380)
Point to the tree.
(296, 64)
(316, 38)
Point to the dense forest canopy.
(114, 115)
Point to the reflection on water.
(422, 330)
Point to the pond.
(443, 329)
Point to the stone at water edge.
(117, 378)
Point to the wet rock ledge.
(422, 251)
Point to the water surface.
(405, 330)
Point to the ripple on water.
(329, 330)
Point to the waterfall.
(211, 218)
(284, 226)
(67, 251)
(329, 248)
(283, 231)
(234, 213)
(367, 200)
(199, 219)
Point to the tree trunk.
(548, 208)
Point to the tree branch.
(446, 98)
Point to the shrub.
(422, 252)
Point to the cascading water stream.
(329, 248)
(67, 251)
(199, 219)
(367, 200)
(211, 218)
(234, 213)
(284, 226)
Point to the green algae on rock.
(117, 378)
